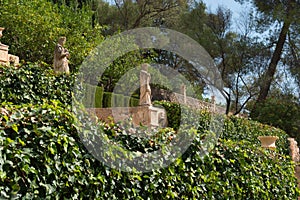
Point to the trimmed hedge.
(107, 97)
(118, 100)
(93, 93)
(42, 157)
(134, 102)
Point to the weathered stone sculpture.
(61, 55)
(145, 90)
(1, 29)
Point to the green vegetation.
(42, 155)
(32, 83)
(33, 28)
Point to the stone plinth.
(142, 115)
(5, 58)
(4, 54)
(158, 116)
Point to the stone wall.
(198, 104)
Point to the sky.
(235, 7)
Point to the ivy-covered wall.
(42, 156)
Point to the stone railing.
(183, 99)
(198, 104)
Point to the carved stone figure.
(61, 55)
(145, 90)
(1, 29)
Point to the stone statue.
(1, 29)
(61, 55)
(145, 90)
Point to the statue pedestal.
(5, 58)
(149, 116)
(4, 54)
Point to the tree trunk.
(269, 76)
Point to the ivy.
(42, 155)
(33, 82)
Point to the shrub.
(93, 96)
(173, 111)
(33, 28)
(107, 99)
(234, 128)
(42, 157)
(238, 129)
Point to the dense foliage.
(42, 157)
(234, 128)
(32, 83)
(282, 112)
(33, 27)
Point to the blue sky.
(235, 7)
(231, 4)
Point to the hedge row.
(96, 97)
(42, 157)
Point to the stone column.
(145, 89)
(183, 92)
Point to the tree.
(284, 13)
(128, 14)
(236, 54)
(33, 27)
